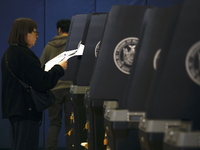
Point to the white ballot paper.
(64, 56)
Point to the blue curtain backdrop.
(46, 13)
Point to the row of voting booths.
(137, 84)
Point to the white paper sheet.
(64, 56)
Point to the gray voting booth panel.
(113, 64)
(153, 43)
(121, 133)
(94, 34)
(77, 34)
(92, 43)
(114, 61)
(174, 97)
(151, 141)
(142, 71)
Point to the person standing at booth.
(17, 105)
(61, 91)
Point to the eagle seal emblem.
(124, 54)
(96, 50)
(192, 63)
(156, 59)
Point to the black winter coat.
(16, 101)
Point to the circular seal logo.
(156, 59)
(192, 62)
(124, 54)
(96, 50)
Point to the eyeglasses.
(36, 33)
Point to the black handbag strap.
(24, 84)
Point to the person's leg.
(55, 117)
(12, 135)
(25, 135)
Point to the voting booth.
(77, 35)
(120, 132)
(82, 79)
(152, 43)
(186, 137)
(172, 110)
(112, 67)
(143, 69)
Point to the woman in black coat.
(17, 104)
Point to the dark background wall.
(46, 13)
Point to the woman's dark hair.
(20, 28)
(64, 25)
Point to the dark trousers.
(55, 116)
(24, 135)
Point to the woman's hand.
(63, 64)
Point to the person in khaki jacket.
(61, 91)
